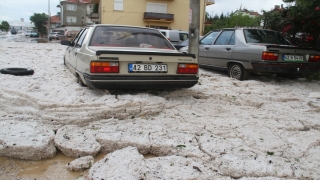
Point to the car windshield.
(129, 37)
(264, 37)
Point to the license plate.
(292, 58)
(148, 68)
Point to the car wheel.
(79, 80)
(238, 72)
(17, 71)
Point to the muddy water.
(48, 169)
(54, 168)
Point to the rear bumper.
(285, 68)
(140, 82)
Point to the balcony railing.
(209, 2)
(158, 16)
(94, 15)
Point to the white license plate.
(143, 68)
(292, 58)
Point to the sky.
(13, 10)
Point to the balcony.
(208, 23)
(209, 2)
(94, 16)
(158, 17)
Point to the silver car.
(126, 57)
(242, 51)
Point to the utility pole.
(49, 18)
(194, 24)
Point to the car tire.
(79, 80)
(17, 71)
(238, 72)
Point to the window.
(118, 5)
(183, 36)
(156, 7)
(77, 36)
(224, 38)
(128, 37)
(71, 19)
(71, 7)
(264, 36)
(83, 35)
(208, 40)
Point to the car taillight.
(314, 58)
(271, 56)
(104, 67)
(187, 69)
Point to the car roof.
(113, 25)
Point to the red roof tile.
(55, 19)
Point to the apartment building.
(75, 14)
(160, 14)
(245, 12)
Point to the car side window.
(83, 35)
(208, 40)
(183, 36)
(224, 38)
(232, 40)
(77, 37)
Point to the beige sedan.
(126, 57)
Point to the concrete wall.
(79, 13)
(133, 13)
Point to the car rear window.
(264, 37)
(129, 37)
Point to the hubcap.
(235, 72)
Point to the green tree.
(300, 22)
(232, 21)
(4, 26)
(39, 21)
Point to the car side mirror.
(65, 42)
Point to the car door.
(78, 46)
(73, 50)
(220, 52)
(204, 45)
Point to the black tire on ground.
(17, 71)
(238, 72)
(79, 80)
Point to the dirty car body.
(242, 51)
(125, 57)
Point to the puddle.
(54, 168)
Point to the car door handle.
(206, 48)
(228, 49)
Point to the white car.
(55, 35)
(27, 33)
(127, 57)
